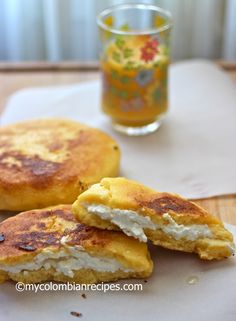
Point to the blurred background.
(55, 30)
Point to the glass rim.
(152, 7)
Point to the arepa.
(50, 161)
(50, 245)
(166, 219)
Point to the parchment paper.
(193, 153)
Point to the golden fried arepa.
(166, 219)
(49, 244)
(49, 162)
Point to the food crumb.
(76, 314)
(193, 279)
(83, 296)
(145, 281)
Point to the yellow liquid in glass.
(134, 73)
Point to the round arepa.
(50, 161)
(49, 244)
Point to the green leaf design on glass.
(128, 53)
(114, 90)
(136, 94)
(123, 94)
(119, 42)
(124, 80)
(164, 82)
(165, 51)
(116, 56)
(130, 65)
(157, 94)
(125, 27)
(114, 74)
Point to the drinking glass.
(134, 65)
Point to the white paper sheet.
(193, 153)
(166, 296)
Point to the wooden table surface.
(20, 75)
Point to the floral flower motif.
(134, 104)
(120, 42)
(138, 103)
(114, 74)
(121, 51)
(116, 56)
(149, 50)
(155, 94)
(144, 77)
(124, 80)
(109, 21)
(128, 53)
(130, 65)
(123, 94)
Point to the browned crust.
(29, 233)
(166, 202)
(26, 183)
(123, 193)
(130, 195)
(39, 229)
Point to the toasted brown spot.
(39, 172)
(82, 233)
(63, 214)
(2, 237)
(81, 139)
(26, 247)
(23, 232)
(37, 239)
(55, 146)
(58, 212)
(34, 164)
(51, 156)
(41, 225)
(39, 167)
(82, 186)
(167, 203)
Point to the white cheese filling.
(133, 224)
(130, 222)
(189, 232)
(66, 261)
(231, 248)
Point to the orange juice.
(134, 66)
(134, 73)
